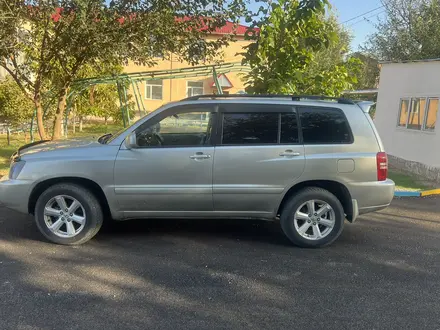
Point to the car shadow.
(234, 229)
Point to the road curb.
(417, 193)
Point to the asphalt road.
(382, 273)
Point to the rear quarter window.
(324, 126)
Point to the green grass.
(18, 140)
(406, 182)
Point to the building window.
(418, 113)
(153, 89)
(194, 88)
(403, 112)
(431, 114)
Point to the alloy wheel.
(64, 216)
(314, 219)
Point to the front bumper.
(14, 194)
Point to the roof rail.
(293, 97)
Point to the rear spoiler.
(365, 105)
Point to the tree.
(370, 71)
(298, 50)
(332, 70)
(101, 101)
(15, 108)
(59, 38)
(410, 31)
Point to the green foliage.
(102, 101)
(58, 38)
(299, 51)
(331, 71)
(410, 31)
(15, 108)
(369, 75)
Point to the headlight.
(15, 170)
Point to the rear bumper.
(371, 196)
(14, 194)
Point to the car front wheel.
(314, 217)
(68, 214)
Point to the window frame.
(254, 108)
(428, 99)
(151, 90)
(412, 101)
(400, 111)
(188, 87)
(183, 109)
(425, 113)
(318, 108)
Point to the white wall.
(398, 80)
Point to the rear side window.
(289, 128)
(250, 128)
(324, 126)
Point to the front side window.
(324, 126)
(153, 89)
(194, 88)
(250, 128)
(179, 130)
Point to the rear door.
(258, 155)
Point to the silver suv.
(309, 162)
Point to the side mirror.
(130, 141)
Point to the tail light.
(382, 166)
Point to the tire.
(293, 225)
(86, 219)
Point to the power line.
(370, 11)
(366, 18)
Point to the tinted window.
(289, 128)
(324, 126)
(250, 128)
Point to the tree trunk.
(57, 124)
(74, 118)
(8, 132)
(80, 123)
(40, 123)
(105, 120)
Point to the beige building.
(157, 92)
(407, 112)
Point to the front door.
(258, 157)
(170, 171)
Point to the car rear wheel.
(68, 214)
(314, 217)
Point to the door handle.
(200, 155)
(289, 153)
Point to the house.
(156, 92)
(406, 115)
